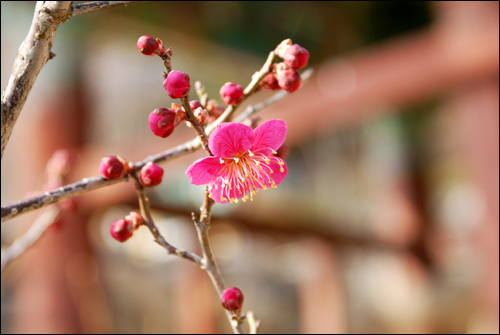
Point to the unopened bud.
(134, 221)
(232, 93)
(148, 45)
(151, 175)
(296, 57)
(232, 299)
(177, 84)
(112, 167)
(119, 230)
(270, 83)
(288, 78)
(161, 122)
(282, 47)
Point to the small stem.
(259, 75)
(202, 225)
(148, 221)
(249, 90)
(253, 324)
(87, 7)
(250, 110)
(200, 130)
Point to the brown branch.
(202, 224)
(88, 184)
(32, 55)
(148, 221)
(87, 7)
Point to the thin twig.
(87, 7)
(200, 129)
(253, 323)
(250, 110)
(249, 90)
(148, 221)
(31, 236)
(202, 224)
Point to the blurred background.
(386, 223)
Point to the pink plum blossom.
(243, 161)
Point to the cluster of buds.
(123, 229)
(284, 75)
(113, 167)
(149, 46)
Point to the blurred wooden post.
(321, 300)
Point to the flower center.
(244, 174)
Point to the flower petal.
(230, 138)
(215, 191)
(203, 170)
(221, 192)
(269, 136)
(277, 175)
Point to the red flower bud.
(232, 299)
(288, 78)
(296, 57)
(134, 221)
(151, 175)
(147, 45)
(232, 93)
(177, 84)
(270, 83)
(195, 104)
(162, 122)
(112, 167)
(119, 230)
